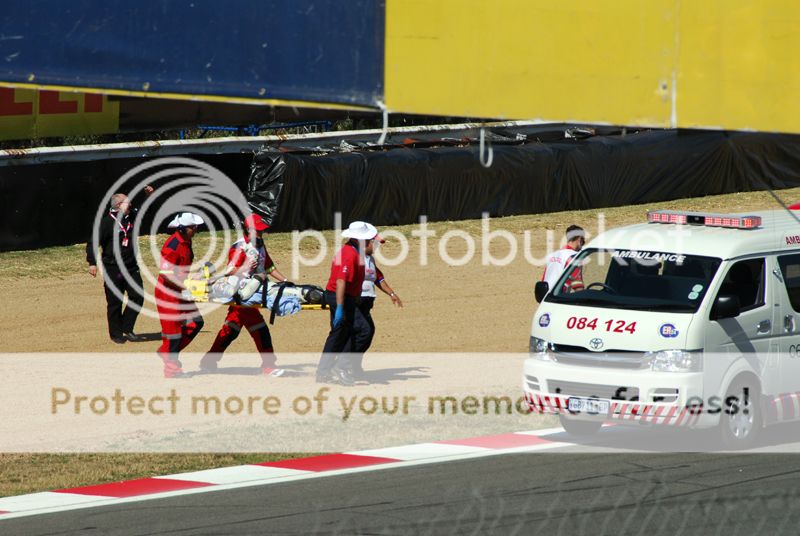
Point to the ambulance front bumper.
(624, 396)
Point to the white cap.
(361, 230)
(185, 219)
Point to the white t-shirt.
(372, 275)
(556, 264)
(254, 253)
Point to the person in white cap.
(180, 319)
(364, 325)
(342, 294)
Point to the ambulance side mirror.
(725, 306)
(540, 290)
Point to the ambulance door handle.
(788, 323)
(764, 326)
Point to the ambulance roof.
(779, 231)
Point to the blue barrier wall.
(312, 50)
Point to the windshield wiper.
(677, 307)
(669, 307)
(584, 301)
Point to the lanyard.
(124, 229)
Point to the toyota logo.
(596, 344)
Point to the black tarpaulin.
(302, 189)
(438, 174)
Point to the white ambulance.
(689, 319)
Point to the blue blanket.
(288, 305)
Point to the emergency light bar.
(709, 220)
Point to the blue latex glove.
(338, 316)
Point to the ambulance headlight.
(675, 361)
(540, 349)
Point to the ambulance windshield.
(631, 279)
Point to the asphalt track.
(578, 490)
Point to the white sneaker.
(273, 372)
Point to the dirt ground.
(49, 303)
(467, 308)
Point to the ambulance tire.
(740, 425)
(580, 428)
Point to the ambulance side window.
(745, 279)
(790, 268)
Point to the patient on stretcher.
(251, 292)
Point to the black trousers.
(337, 338)
(363, 332)
(122, 321)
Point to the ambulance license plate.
(592, 406)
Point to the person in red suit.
(248, 258)
(180, 319)
(343, 296)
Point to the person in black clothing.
(120, 272)
(363, 325)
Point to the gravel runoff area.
(50, 304)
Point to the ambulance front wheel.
(580, 428)
(741, 419)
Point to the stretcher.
(248, 292)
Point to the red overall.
(247, 317)
(180, 319)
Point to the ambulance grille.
(610, 392)
(618, 359)
(666, 395)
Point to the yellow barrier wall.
(25, 113)
(738, 65)
(663, 63)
